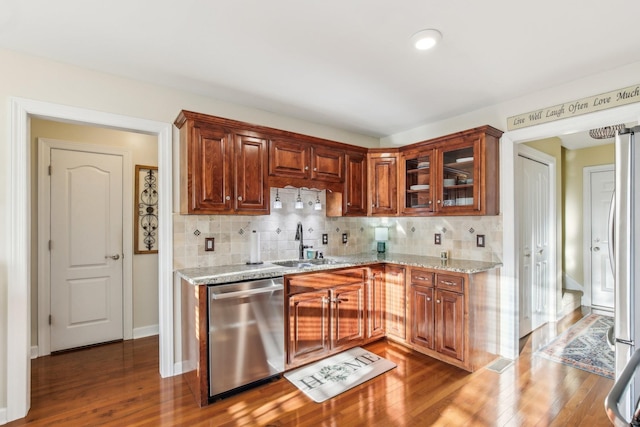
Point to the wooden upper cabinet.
(327, 164)
(223, 168)
(457, 174)
(250, 166)
(289, 158)
(383, 187)
(355, 188)
(205, 172)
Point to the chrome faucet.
(300, 237)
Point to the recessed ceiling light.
(426, 39)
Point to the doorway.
(535, 202)
(84, 203)
(19, 260)
(599, 183)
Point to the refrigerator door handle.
(612, 233)
(611, 403)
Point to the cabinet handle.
(348, 203)
(339, 300)
(428, 299)
(240, 198)
(448, 283)
(306, 168)
(325, 300)
(429, 202)
(438, 301)
(315, 169)
(439, 202)
(421, 278)
(227, 198)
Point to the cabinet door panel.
(348, 310)
(251, 174)
(376, 303)
(355, 202)
(396, 301)
(308, 325)
(211, 177)
(384, 186)
(288, 158)
(327, 164)
(450, 324)
(423, 320)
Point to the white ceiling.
(343, 63)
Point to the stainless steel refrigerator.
(622, 402)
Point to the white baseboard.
(34, 352)
(3, 416)
(178, 368)
(146, 331)
(571, 283)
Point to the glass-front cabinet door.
(458, 172)
(419, 182)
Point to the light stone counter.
(242, 272)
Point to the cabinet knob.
(348, 203)
(439, 202)
(438, 301)
(306, 168)
(227, 198)
(315, 169)
(428, 299)
(448, 283)
(240, 198)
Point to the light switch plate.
(325, 239)
(480, 240)
(437, 238)
(345, 238)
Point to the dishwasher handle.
(246, 292)
(618, 389)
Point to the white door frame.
(550, 162)
(509, 343)
(44, 231)
(586, 226)
(18, 347)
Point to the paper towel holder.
(255, 258)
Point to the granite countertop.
(242, 272)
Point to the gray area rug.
(584, 346)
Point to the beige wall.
(144, 151)
(574, 161)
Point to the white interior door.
(532, 192)
(86, 248)
(601, 184)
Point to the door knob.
(596, 249)
(114, 257)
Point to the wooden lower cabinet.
(376, 309)
(326, 313)
(454, 316)
(395, 302)
(449, 321)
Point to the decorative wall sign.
(616, 98)
(146, 215)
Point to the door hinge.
(49, 170)
(50, 244)
(50, 320)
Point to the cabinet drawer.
(422, 277)
(450, 283)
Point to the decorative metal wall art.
(146, 204)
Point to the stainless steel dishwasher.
(246, 335)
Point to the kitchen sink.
(302, 263)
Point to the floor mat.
(329, 377)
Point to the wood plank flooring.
(119, 385)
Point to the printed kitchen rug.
(329, 377)
(584, 346)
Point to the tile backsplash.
(409, 235)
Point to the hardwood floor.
(118, 385)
